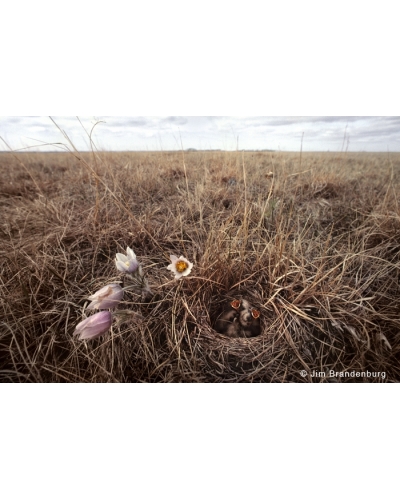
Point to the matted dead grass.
(312, 241)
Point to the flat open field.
(311, 240)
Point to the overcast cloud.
(284, 133)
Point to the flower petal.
(130, 253)
(120, 266)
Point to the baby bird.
(249, 319)
(228, 323)
(239, 320)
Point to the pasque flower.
(180, 266)
(107, 297)
(94, 326)
(127, 263)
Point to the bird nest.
(222, 358)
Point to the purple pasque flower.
(94, 326)
(107, 297)
(127, 263)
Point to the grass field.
(312, 240)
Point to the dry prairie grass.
(315, 247)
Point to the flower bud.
(94, 326)
(107, 297)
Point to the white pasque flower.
(107, 297)
(180, 267)
(94, 326)
(127, 263)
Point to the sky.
(152, 133)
